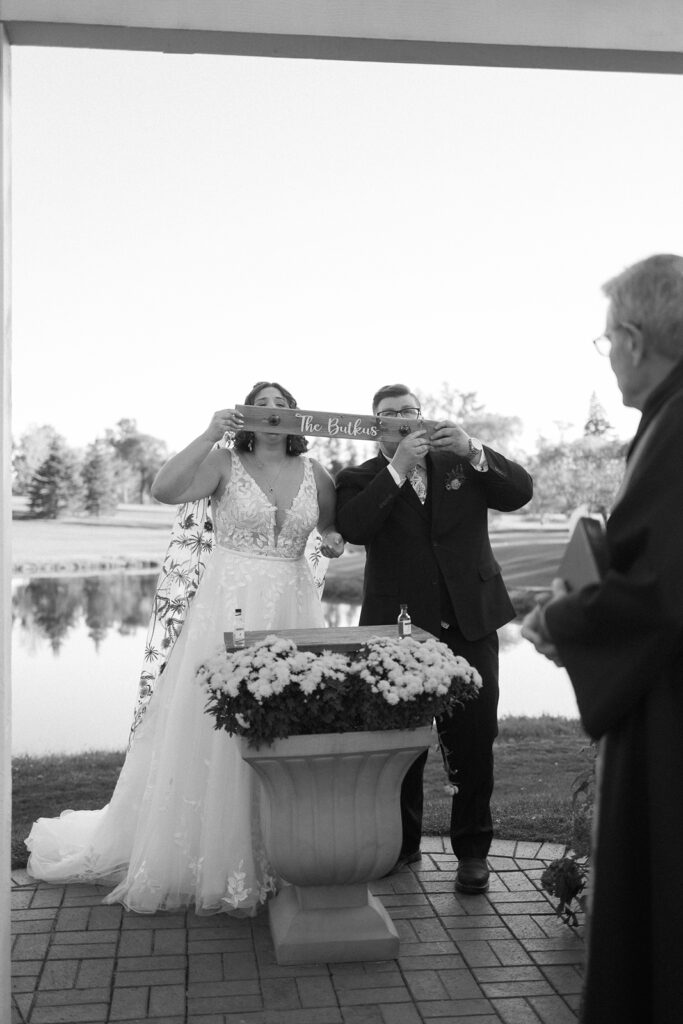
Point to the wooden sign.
(331, 424)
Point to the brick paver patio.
(502, 958)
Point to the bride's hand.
(332, 545)
(223, 421)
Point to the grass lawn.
(537, 760)
(131, 539)
(536, 763)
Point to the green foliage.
(465, 409)
(29, 453)
(120, 467)
(272, 690)
(336, 453)
(586, 472)
(565, 879)
(55, 486)
(140, 456)
(100, 492)
(583, 805)
(597, 424)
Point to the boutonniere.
(454, 478)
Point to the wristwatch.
(474, 448)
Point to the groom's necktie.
(418, 481)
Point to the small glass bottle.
(238, 635)
(404, 622)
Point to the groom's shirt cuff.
(398, 479)
(481, 465)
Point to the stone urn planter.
(331, 819)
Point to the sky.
(184, 226)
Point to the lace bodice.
(246, 521)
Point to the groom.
(420, 507)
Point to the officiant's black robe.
(622, 643)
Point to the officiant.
(420, 507)
(621, 640)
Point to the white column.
(5, 526)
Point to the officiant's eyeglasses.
(408, 413)
(603, 344)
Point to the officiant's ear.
(635, 342)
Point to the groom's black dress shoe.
(403, 860)
(472, 875)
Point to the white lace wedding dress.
(182, 826)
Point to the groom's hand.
(449, 437)
(332, 544)
(410, 451)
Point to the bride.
(182, 826)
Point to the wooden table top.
(332, 638)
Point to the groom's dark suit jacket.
(436, 558)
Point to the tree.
(140, 454)
(100, 487)
(55, 486)
(597, 424)
(50, 608)
(29, 453)
(583, 473)
(465, 409)
(335, 453)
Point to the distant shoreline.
(84, 567)
(135, 540)
(346, 589)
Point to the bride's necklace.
(270, 481)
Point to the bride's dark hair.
(244, 439)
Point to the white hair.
(649, 295)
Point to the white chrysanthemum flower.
(308, 684)
(412, 684)
(231, 687)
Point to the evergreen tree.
(597, 424)
(55, 486)
(99, 479)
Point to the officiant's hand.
(449, 437)
(535, 630)
(332, 544)
(410, 451)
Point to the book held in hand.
(585, 557)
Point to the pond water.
(77, 646)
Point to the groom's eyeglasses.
(407, 413)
